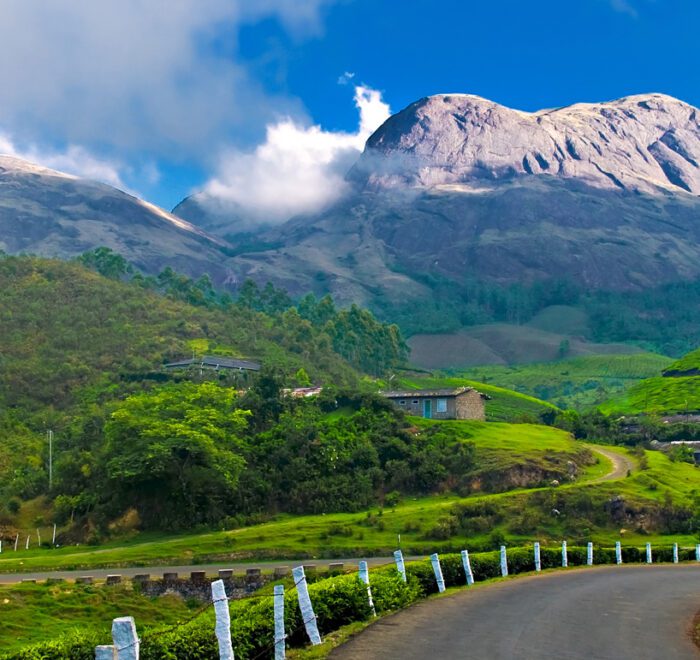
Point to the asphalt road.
(607, 613)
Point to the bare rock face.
(455, 187)
(53, 214)
(647, 143)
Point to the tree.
(176, 453)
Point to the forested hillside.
(77, 338)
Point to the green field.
(687, 365)
(425, 524)
(581, 382)
(658, 396)
(36, 612)
(503, 406)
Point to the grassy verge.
(33, 612)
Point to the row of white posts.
(126, 642)
(26, 545)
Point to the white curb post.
(223, 620)
(538, 559)
(504, 562)
(16, 542)
(697, 552)
(280, 636)
(0, 547)
(437, 569)
(126, 642)
(400, 567)
(589, 554)
(675, 553)
(364, 576)
(564, 555)
(466, 563)
(307, 610)
(104, 652)
(649, 559)
(26, 547)
(53, 540)
(618, 552)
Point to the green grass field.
(657, 396)
(688, 363)
(36, 612)
(519, 515)
(581, 382)
(504, 406)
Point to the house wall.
(470, 405)
(414, 406)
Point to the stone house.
(453, 403)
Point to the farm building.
(455, 403)
(216, 363)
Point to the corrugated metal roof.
(215, 362)
(408, 394)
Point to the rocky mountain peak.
(648, 143)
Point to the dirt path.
(621, 464)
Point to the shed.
(453, 403)
(215, 362)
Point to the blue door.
(427, 409)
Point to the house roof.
(215, 362)
(417, 394)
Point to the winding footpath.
(606, 613)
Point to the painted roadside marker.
(466, 563)
(437, 569)
(307, 610)
(538, 559)
(589, 554)
(675, 553)
(364, 576)
(223, 620)
(618, 552)
(400, 567)
(649, 559)
(697, 552)
(280, 637)
(504, 562)
(564, 555)
(126, 641)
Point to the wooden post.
(280, 636)
(223, 620)
(126, 642)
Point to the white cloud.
(134, 75)
(625, 7)
(73, 160)
(297, 169)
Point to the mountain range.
(451, 189)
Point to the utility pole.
(49, 436)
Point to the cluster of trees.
(665, 319)
(189, 453)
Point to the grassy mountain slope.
(501, 343)
(678, 391)
(580, 382)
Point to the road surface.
(621, 464)
(607, 613)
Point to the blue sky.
(166, 102)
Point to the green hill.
(688, 365)
(581, 382)
(677, 391)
